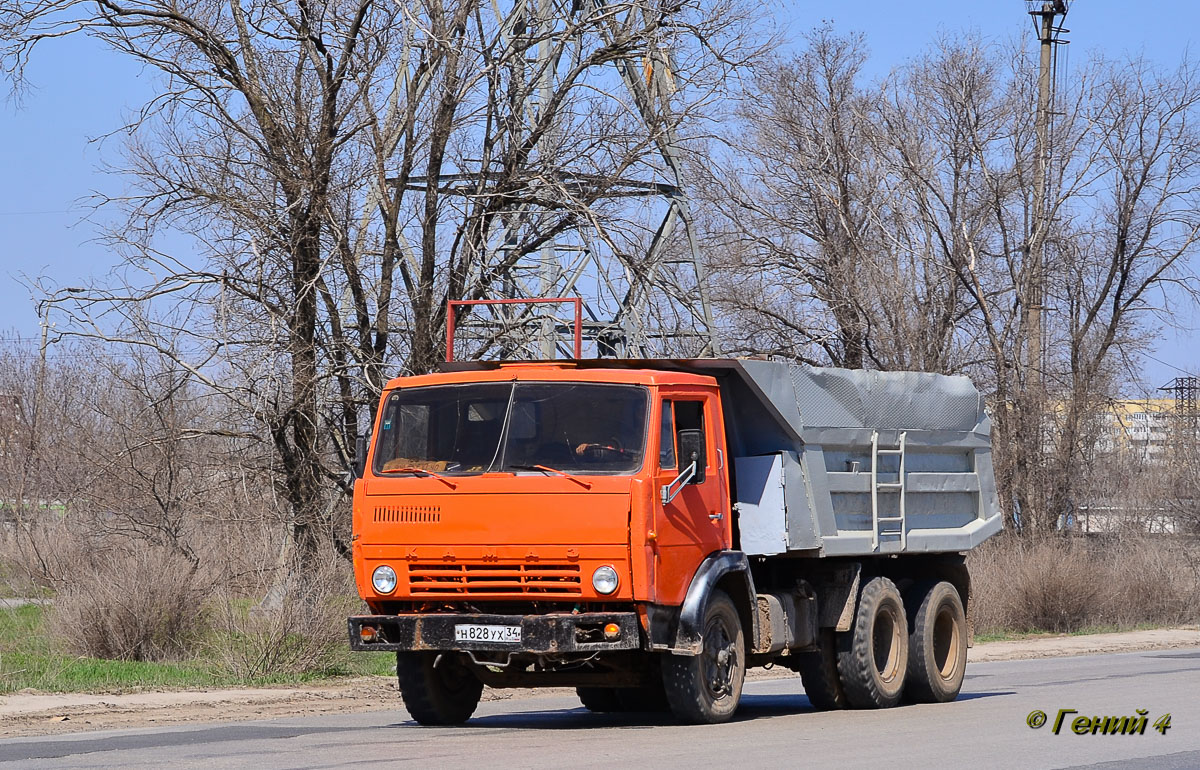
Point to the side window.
(666, 446)
(689, 415)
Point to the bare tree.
(899, 215)
(1126, 235)
(343, 169)
(853, 205)
(800, 209)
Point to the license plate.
(471, 632)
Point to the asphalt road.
(775, 727)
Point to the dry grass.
(118, 599)
(299, 629)
(1069, 584)
(143, 604)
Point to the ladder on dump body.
(878, 486)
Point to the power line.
(1169, 366)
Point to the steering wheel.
(599, 450)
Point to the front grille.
(476, 579)
(409, 514)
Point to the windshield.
(505, 426)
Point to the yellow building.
(1140, 426)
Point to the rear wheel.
(599, 699)
(873, 657)
(819, 674)
(937, 645)
(706, 688)
(442, 694)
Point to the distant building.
(1143, 429)
(1145, 432)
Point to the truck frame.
(646, 530)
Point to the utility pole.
(1045, 18)
(1031, 405)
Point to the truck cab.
(516, 485)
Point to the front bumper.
(542, 634)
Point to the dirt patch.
(28, 713)
(32, 713)
(1092, 644)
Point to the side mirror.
(360, 456)
(691, 449)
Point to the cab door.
(695, 522)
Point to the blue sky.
(51, 157)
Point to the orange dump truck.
(644, 531)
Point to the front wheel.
(706, 688)
(437, 691)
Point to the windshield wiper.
(556, 471)
(409, 469)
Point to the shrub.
(299, 629)
(144, 603)
(1158, 580)
(1067, 584)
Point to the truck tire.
(819, 674)
(873, 657)
(706, 688)
(599, 699)
(937, 644)
(445, 694)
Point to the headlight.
(605, 579)
(384, 579)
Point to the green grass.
(30, 658)
(377, 663)
(1008, 636)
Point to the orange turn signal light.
(612, 631)
(368, 634)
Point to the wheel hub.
(718, 660)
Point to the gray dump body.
(849, 462)
(839, 462)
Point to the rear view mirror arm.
(672, 490)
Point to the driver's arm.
(611, 445)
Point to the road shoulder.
(31, 713)
(1090, 644)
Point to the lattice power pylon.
(641, 298)
(1187, 407)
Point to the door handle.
(716, 516)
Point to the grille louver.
(408, 514)
(463, 579)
